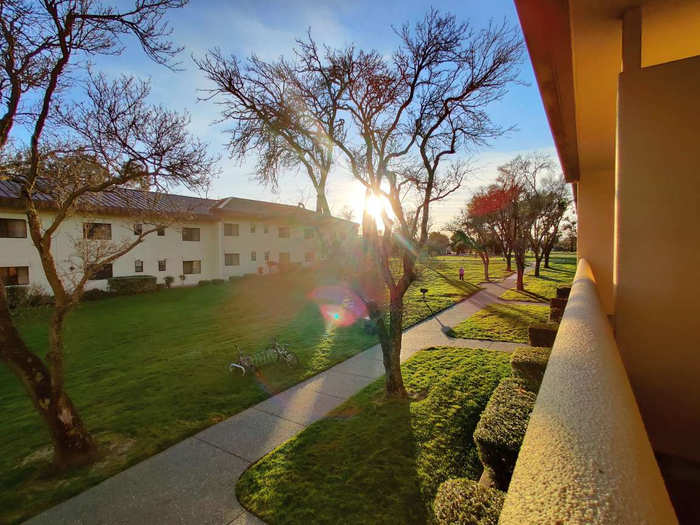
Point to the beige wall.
(658, 286)
(595, 209)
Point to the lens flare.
(338, 304)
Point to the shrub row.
(462, 501)
(501, 429)
(132, 284)
(528, 366)
(542, 334)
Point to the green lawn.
(147, 371)
(502, 322)
(541, 289)
(378, 461)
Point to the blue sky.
(268, 28)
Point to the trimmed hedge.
(204, 282)
(529, 364)
(501, 429)
(217, 281)
(132, 284)
(462, 501)
(95, 294)
(542, 334)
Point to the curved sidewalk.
(193, 482)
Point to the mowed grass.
(440, 275)
(543, 288)
(502, 322)
(147, 371)
(374, 460)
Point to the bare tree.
(430, 99)
(110, 140)
(284, 112)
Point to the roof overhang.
(576, 51)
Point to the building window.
(284, 231)
(161, 265)
(253, 256)
(266, 228)
(252, 227)
(232, 259)
(138, 266)
(97, 230)
(191, 267)
(14, 275)
(230, 230)
(267, 256)
(13, 228)
(284, 257)
(190, 234)
(161, 231)
(105, 272)
(309, 257)
(308, 233)
(138, 229)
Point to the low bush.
(501, 429)
(16, 295)
(234, 278)
(528, 366)
(132, 284)
(169, 280)
(25, 296)
(95, 294)
(217, 281)
(542, 334)
(204, 282)
(461, 501)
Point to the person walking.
(461, 274)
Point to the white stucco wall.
(210, 249)
(586, 457)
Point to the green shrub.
(542, 334)
(204, 282)
(529, 364)
(132, 284)
(217, 281)
(95, 294)
(501, 429)
(16, 295)
(234, 278)
(169, 280)
(462, 501)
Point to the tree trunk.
(519, 282)
(546, 257)
(390, 341)
(509, 257)
(485, 261)
(72, 444)
(538, 261)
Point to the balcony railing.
(586, 457)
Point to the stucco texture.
(586, 457)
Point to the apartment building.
(189, 239)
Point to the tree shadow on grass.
(358, 465)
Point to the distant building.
(202, 238)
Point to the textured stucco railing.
(586, 457)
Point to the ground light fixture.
(445, 329)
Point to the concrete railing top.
(586, 457)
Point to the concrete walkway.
(194, 481)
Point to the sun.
(375, 205)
